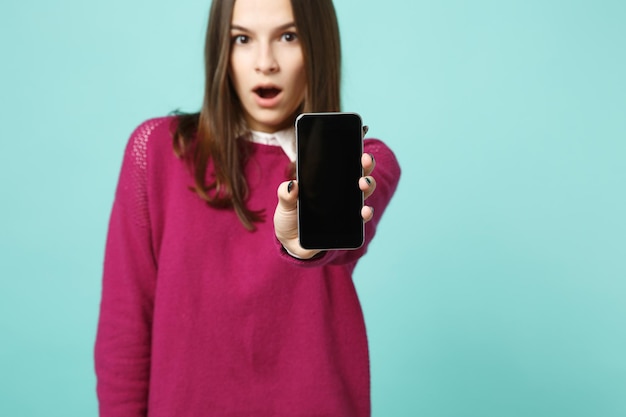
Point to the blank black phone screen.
(328, 165)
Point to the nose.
(266, 62)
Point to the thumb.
(288, 195)
(285, 216)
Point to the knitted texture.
(200, 317)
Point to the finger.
(288, 195)
(365, 130)
(368, 163)
(367, 212)
(367, 185)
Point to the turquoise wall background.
(496, 286)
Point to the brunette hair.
(212, 136)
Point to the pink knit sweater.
(200, 317)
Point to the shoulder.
(158, 127)
(150, 136)
(385, 158)
(376, 145)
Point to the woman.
(208, 307)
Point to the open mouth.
(267, 92)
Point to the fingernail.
(372, 209)
(371, 156)
(289, 187)
(365, 130)
(368, 181)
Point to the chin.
(274, 124)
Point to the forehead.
(262, 13)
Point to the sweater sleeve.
(387, 175)
(122, 349)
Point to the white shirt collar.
(286, 139)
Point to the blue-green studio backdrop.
(496, 286)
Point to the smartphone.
(328, 168)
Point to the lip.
(267, 102)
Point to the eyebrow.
(278, 29)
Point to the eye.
(289, 36)
(240, 39)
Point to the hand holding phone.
(328, 169)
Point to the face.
(266, 63)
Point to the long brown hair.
(213, 134)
